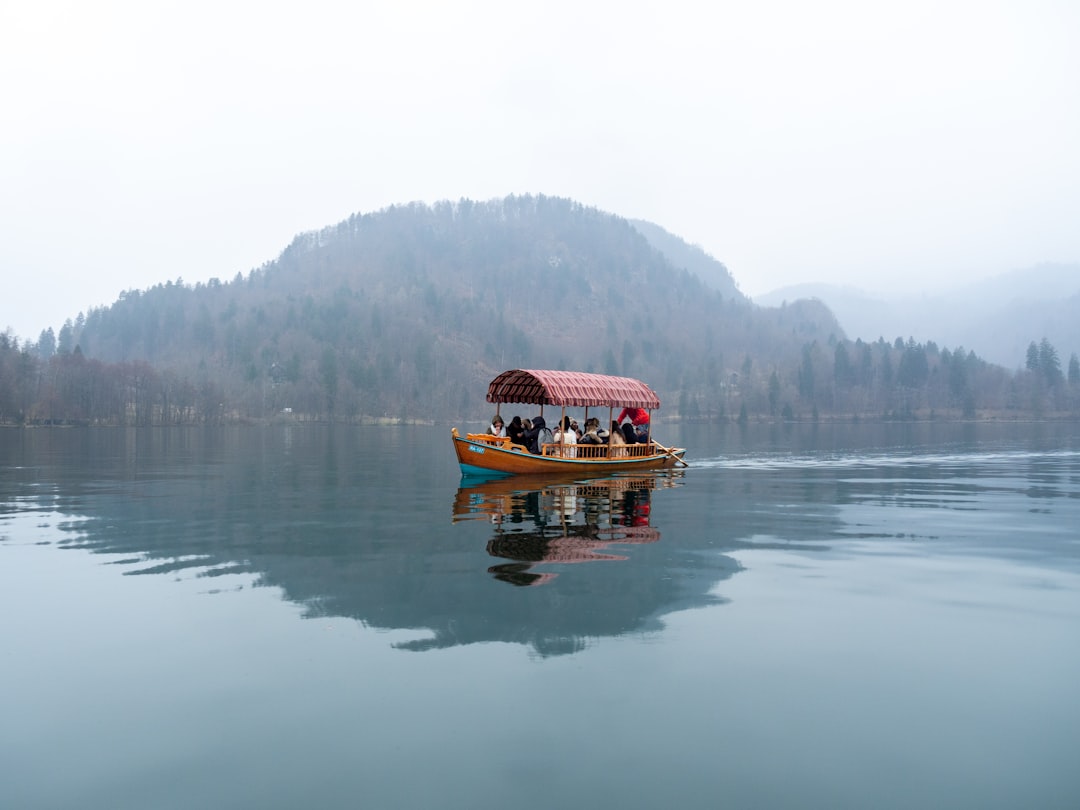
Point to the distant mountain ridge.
(998, 318)
(691, 258)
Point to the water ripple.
(863, 460)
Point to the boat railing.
(599, 451)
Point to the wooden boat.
(483, 454)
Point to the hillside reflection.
(591, 544)
(354, 523)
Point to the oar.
(670, 453)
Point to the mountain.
(408, 313)
(411, 310)
(998, 318)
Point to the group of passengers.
(632, 427)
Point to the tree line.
(67, 388)
(844, 379)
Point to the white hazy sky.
(878, 144)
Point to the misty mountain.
(411, 310)
(998, 318)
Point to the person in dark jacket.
(532, 438)
(629, 434)
(515, 429)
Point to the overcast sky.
(875, 144)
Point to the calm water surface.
(834, 617)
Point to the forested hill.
(408, 313)
(411, 310)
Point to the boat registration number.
(475, 449)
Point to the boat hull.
(486, 458)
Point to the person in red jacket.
(639, 418)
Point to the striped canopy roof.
(575, 388)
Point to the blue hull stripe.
(469, 469)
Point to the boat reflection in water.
(538, 523)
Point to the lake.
(833, 616)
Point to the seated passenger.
(536, 436)
(629, 434)
(616, 442)
(591, 434)
(497, 428)
(566, 437)
(515, 429)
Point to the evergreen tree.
(66, 340)
(1049, 364)
(806, 374)
(1033, 356)
(843, 371)
(46, 345)
(914, 367)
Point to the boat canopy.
(573, 388)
